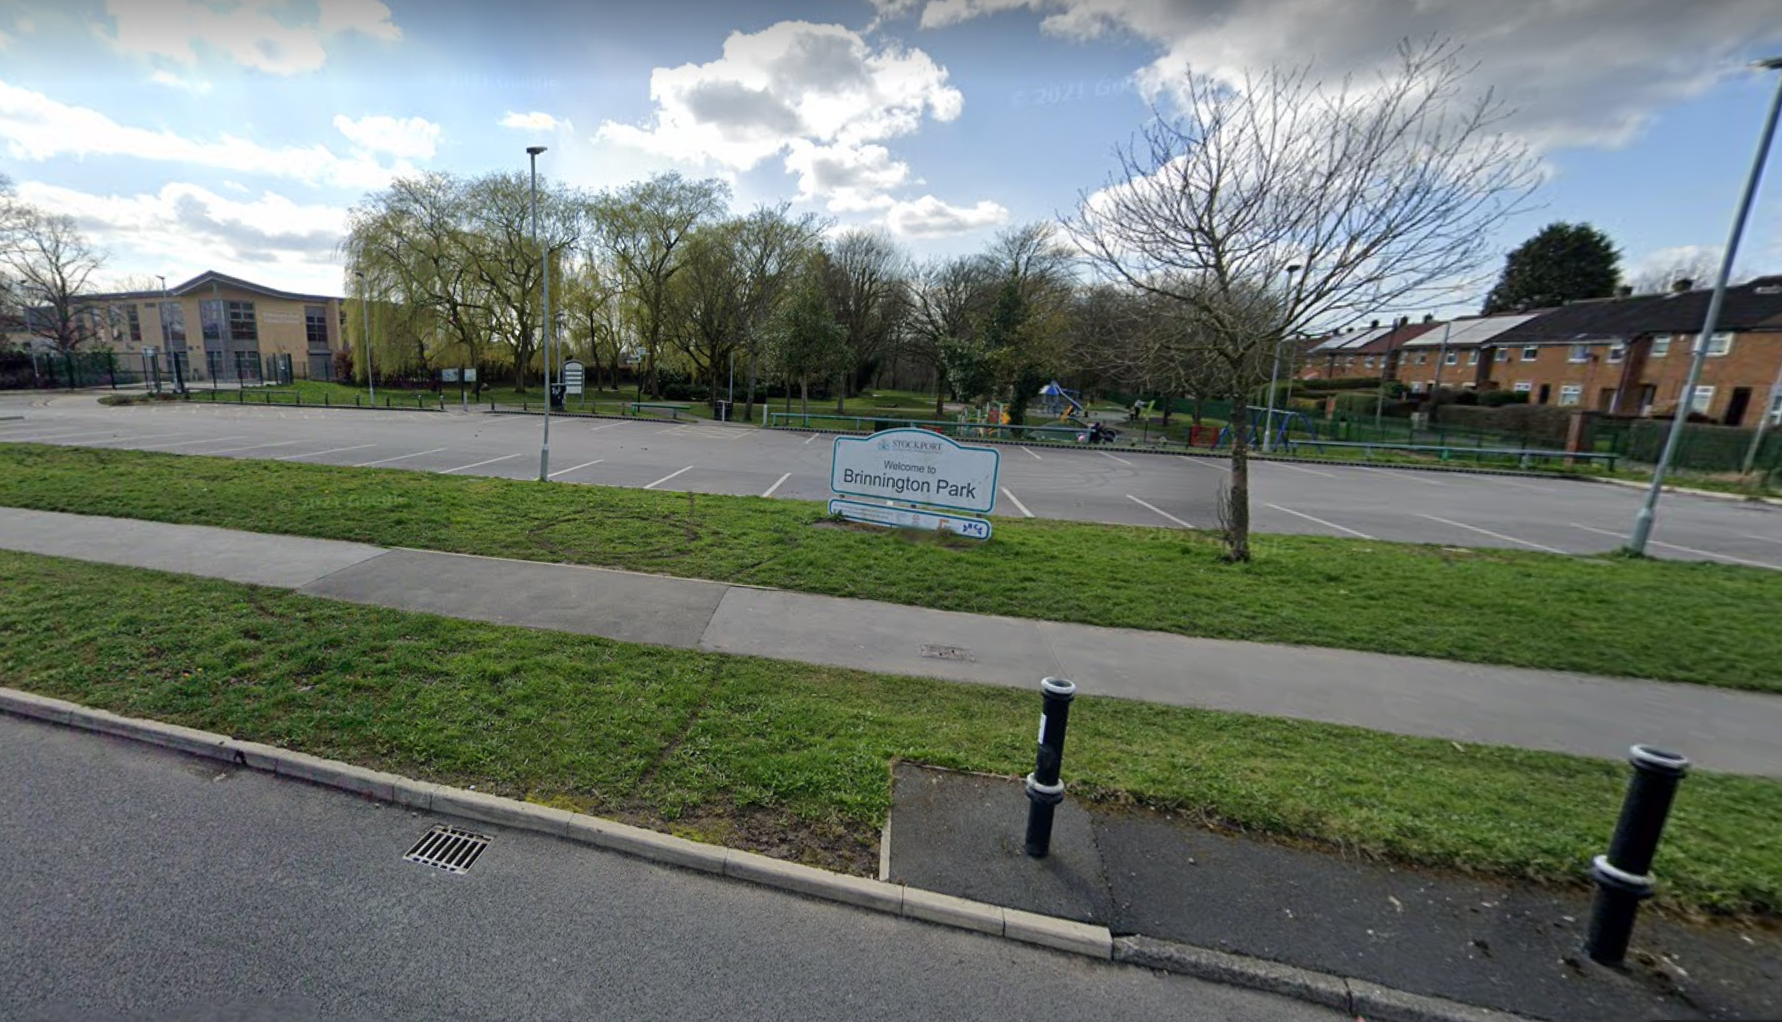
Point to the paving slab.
(963, 834)
(588, 601)
(287, 562)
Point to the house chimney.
(1683, 284)
(1624, 291)
(1375, 325)
(1429, 317)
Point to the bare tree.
(52, 264)
(1698, 266)
(505, 262)
(947, 298)
(1378, 195)
(866, 294)
(772, 246)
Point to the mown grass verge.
(794, 759)
(1705, 623)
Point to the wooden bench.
(674, 411)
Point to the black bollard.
(1044, 789)
(1623, 877)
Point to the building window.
(134, 319)
(1530, 353)
(1580, 353)
(1524, 387)
(1503, 355)
(1571, 394)
(315, 326)
(210, 321)
(241, 322)
(1704, 399)
(1718, 345)
(1617, 352)
(1776, 411)
(1452, 359)
(1472, 357)
(1423, 358)
(1368, 362)
(173, 324)
(1661, 345)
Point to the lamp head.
(534, 150)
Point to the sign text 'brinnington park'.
(916, 466)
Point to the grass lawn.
(1712, 624)
(793, 759)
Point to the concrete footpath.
(1736, 732)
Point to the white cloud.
(185, 228)
(196, 86)
(260, 34)
(929, 217)
(1580, 72)
(411, 138)
(818, 95)
(533, 121)
(35, 127)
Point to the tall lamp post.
(1268, 425)
(544, 330)
(370, 380)
(1642, 528)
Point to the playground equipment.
(982, 421)
(1285, 424)
(1060, 403)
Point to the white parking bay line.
(1017, 502)
(1711, 555)
(1496, 535)
(480, 464)
(317, 454)
(610, 425)
(399, 457)
(669, 476)
(1035, 456)
(1320, 521)
(131, 439)
(1122, 461)
(1201, 461)
(189, 443)
(1765, 539)
(776, 484)
(813, 436)
(578, 468)
(1409, 475)
(1302, 468)
(63, 436)
(255, 447)
(1158, 510)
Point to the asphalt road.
(1558, 515)
(140, 884)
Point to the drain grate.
(947, 653)
(448, 848)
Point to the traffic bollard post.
(1624, 876)
(1044, 789)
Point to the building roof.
(1470, 332)
(1351, 341)
(200, 284)
(1756, 304)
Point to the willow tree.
(1269, 204)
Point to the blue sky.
(229, 135)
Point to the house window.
(1472, 358)
(1571, 394)
(1776, 411)
(1524, 387)
(1530, 353)
(1661, 345)
(1617, 352)
(1580, 353)
(1423, 358)
(1718, 345)
(1452, 359)
(1503, 355)
(241, 322)
(1368, 362)
(1704, 399)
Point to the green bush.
(1500, 398)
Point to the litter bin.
(557, 390)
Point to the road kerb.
(1062, 934)
(1376, 1003)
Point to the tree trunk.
(940, 394)
(751, 413)
(804, 395)
(1170, 399)
(841, 394)
(1237, 501)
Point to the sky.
(235, 135)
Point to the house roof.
(1351, 341)
(1468, 333)
(201, 283)
(1752, 305)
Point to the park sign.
(573, 375)
(916, 466)
(910, 518)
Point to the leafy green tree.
(807, 340)
(1563, 263)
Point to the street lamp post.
(1642, 528)
(545, 331)
(1268, 425)
(370, 380)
